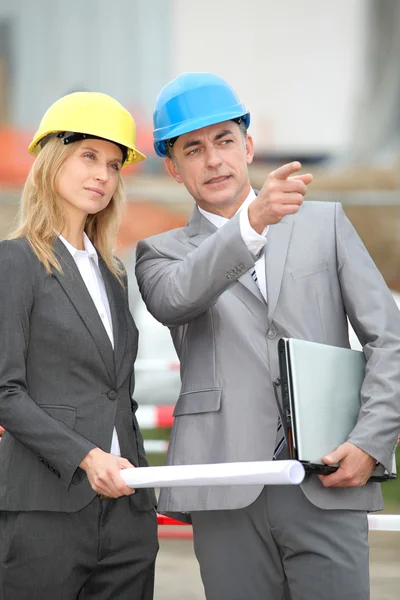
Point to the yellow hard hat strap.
(68, 137)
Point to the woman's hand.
(103, 471)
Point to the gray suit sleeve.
(376, 321)
(53, 442)
(177, 290)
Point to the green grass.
(391, 490)
(156, 434)
(156, 459)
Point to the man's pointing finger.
(285, 171)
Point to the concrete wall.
(59, 46)
(297, 65)
(379, 228)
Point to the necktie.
(280, 436)
(254, 275)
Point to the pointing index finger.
(285, 171)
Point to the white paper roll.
(280, 472)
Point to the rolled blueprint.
(279, 472)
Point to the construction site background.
(371, 199)
(322, 82)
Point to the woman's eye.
(90, 155)
(115, 166)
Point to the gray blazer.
(196, 281)
(62, 386)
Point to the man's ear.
(172, 169)
(249, 149)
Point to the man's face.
(212, 164)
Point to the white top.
(253, 240)
(87, 262)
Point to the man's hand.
(280, 195)
(103, 471)
(356, 467)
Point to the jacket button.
(112, 394)
(271, 333)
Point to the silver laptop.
(321, 400)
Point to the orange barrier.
(173, 534)
(143, 218)
(164, 520)
(151, 416)
(144, 138)
(15, 162)
(375, 523)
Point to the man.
(245, 271)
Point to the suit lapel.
(248, 282)
(115, 294)
(276, 249)
(73, 285)
(199, 229)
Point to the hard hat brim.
(193, 125)
(133, 154)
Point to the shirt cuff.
(253, 240)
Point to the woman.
(69, 526)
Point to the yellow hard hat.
(91, 114)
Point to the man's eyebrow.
(221, 134)
(191, 143)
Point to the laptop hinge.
(285, 418)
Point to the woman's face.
(89, 177)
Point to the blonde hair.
(41, 216)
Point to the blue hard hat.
(192, 101)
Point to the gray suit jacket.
(196, 281)
(62, 386)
